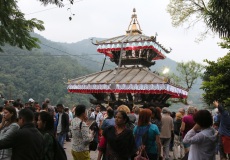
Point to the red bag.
(142, 155)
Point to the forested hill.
(38, 74)
(41, 73)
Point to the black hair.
(12, 110)
(203, 118)
(80, 109)
(66, 109)
(60, 105)
(48, 122)
(110, 113)
(173, 114)
(44, 106)
(1, 108)
(5, 102)
(16, 104)
(124, 116)
(27, 114)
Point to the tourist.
(62, 124)
(166, 129)
(7, 127)
(109, 121)
(27, 143)
(156, 117)
(45, 125)
(97, 115)
(182, 111)
(178, 152)
(81, 134)
(136, 111)
(120, 142)
(152, 141)
(132, 118)
(202, 137)
(224, 131)
(187, 124)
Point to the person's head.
(66, 109)
(110, 112)
(191, 110)
(165, 110)
(1, 109)
(136, 110)
(203, 118)
(37, 106)
(31, 101)
(173, 114)
(16, 104)
(47, 100)
(144, 117)
(45, 122)
(6, 103)
(45, 106)
(123, 108)
(178, 116)
(25, 116)
(121, 118)
(80, 110)
(60, 108)
(98, 108)
(182, 111)
(156, 113)
(10, 114)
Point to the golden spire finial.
(134, 26)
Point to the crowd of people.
(29, 132)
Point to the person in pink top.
(186, 125)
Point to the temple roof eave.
(127, 80)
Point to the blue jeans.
(61, 138)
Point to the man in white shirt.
(62, 127)
(98, 116)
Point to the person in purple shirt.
(186, 125)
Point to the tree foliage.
(34, 74)
(216, 79)
(15, 29)
(214, 13)
(189, 72)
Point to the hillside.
(41, 73)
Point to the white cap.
(31, 100)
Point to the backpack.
(141, 136)
(93, 144)
(59, 152)
(130, 125)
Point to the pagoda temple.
(131, 82)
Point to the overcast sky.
(110, 18)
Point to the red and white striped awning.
(107, 48)
(175, 92)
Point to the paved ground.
(93, 154)
(67, 145)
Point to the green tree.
(216, 84)
(188, 72)
(15, 29)
(214, 13)
(186, 76)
